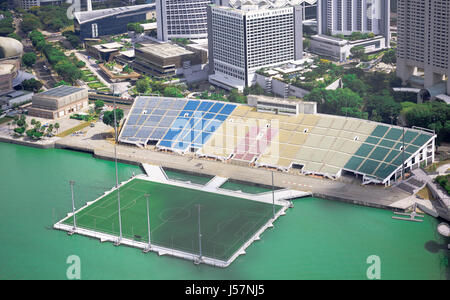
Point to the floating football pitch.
(226, 222)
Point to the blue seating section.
(175, 124)
(195, 124)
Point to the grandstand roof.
(321, 144)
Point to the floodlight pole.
(117, 172)
(148, 226)
(199, 234)
(273, 197)
(73, 205)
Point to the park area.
(226, 222)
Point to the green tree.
(14, 36)
(99, 104)
(30, 22)
(383, 105)
(29, 59)
(389, 57)
(62, 82)
(432, 115)
(32, 85)
(19, 130)
(108, 117)
(343, 102)
(172, 91)
(352, 82)
(143, 86)
(136, 27)
(357, 52)
(235, 96)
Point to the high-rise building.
(181, 19)
(241, 41)
(27, 4)
(423, 41)
(187, 18)
(347, 16)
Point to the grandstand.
(317, 144)
(179, 125)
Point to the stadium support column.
(73, 207)
(148, 226)
(298, 32)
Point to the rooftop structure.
(11, 51)
(110, 21)
(10, 47)
(348, 16)
(168, 59)
(340, 49)
(14, 98)
(281, 106)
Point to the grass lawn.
(425, 193)
(434, 166)
(6, 120)
(74, 129)
(96, 85)
(86, 72)
(89, 78)
(226, 222)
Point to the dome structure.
(10, 47)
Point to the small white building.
(279, 106)
(15, 98)
(340, 49)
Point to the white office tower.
(347, 16)
(241, 41)
(181, 19)
(423, 42)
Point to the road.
(44, 75)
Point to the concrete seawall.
(27, 143)
(357, 202)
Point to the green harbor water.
(318, 239)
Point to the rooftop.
(61, 91)
(165, 50)
(327, 38)
(87, 16)
(268, 3)
(149, 26)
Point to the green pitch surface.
(226, 222)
